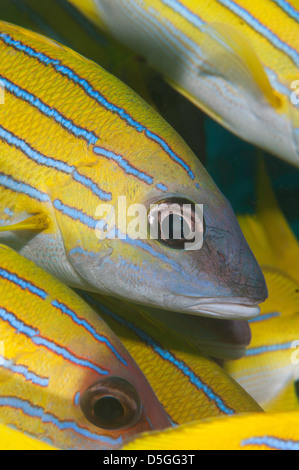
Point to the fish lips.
(222, 308)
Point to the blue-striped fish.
(74, 138)
(65, 378)
(236, 59)
(188, 384)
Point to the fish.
(269, 431)
(189, 385)
(270, 369)
(61, 21)
(65, 378)
(76, 141)
(237, 60)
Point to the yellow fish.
(189, 385)
(65, 378)
(238, 60)
(270, 369)
(248, 432)
(74, 140)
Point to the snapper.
(75, 140)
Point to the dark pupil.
(297, 389)
(108, 409)
(175, 225)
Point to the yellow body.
(15, 440)
(53, 349)
(270, 369)
(236, 59)
(248, 432)
(189, 385)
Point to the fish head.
(66, 378)
(117, 405)
(206, 269)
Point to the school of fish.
(96, 349)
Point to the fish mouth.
(232, 309)
(224, 339)
(227, 310)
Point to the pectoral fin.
(36, 223)
(231, 55)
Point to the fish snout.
(249, 278)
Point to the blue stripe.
(76, 214)
(79, 321)
(288, 8)
(58, 165)
(38, 412)
(20, 187)
(28, 50)
(77, 399)
(182, 10)
(124, 164)
(48, 111)
(28, 331)
(272, 442)
(167, 356)
(33, 154)
(17, 324)
(162, 187)
(60, 351)
(25, 285)
(88, 183)
(265, 317)
(24, 371)
(266, 349)
(87, 87)
(261, 29)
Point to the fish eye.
(175, 222)
(112, 404)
